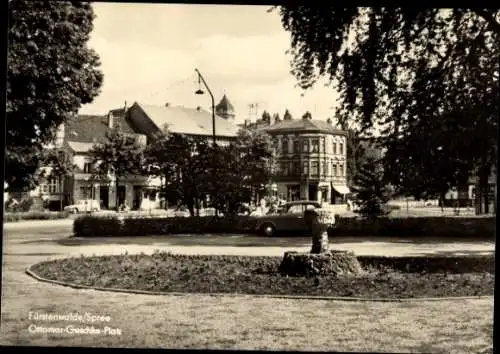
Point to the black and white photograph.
(263, 177)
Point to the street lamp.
(200, 92)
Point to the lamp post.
(200, 92)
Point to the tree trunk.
(60, 194)
(117, 197)
(483, 191)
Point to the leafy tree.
(183, 163)
(60, 161)
(407, 71)
(307, 115)
(276, 118)
(266, 117)
(119, 156)
(51, 74)
(371, 192)
(241, 170)
(287, 115)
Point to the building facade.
(311, 157)
(141, 122)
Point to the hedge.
(141, 225)
(484, 227)
(113, 225)
(34, 215)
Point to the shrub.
(34, 215)
(141, 225)
(24, 205)
(421, 226)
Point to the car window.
(295, 209)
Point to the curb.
(291, 297)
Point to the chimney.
(167, 104)
(198, 108)
(110, 120)
(247, 122)
(329, 121)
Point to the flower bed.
(165, 272)
(34, 215)
(483, 227)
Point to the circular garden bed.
(381, 278)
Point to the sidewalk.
(25, 224)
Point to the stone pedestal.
(328, 263)
(320, 261)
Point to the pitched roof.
(79, 147)
(302, 125)
(183, 120)
(90, 128)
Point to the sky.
(149, 53)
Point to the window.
(284, 168)
(322, 146)
(278, 146)
(323, 168)
(335, 148)
(341, 149)
(341, 170)
(327, 172)
(305, 145)
(296, 146)
(306, 168)
(87, 167)
(51, 186)
(284, 142)
(315, 145)
(334, 169)
(296, 168)
(296, 209)
(293, 192)
(86, 192)
(314, 168)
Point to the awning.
(342, 189)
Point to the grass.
(164, 272)
(244, 322)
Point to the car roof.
(301, 202)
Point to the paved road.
(53, 239)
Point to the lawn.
(165, 272)
(246, 322)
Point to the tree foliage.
(117, 157)
(266, 117)
(287, 115)
(61, 164)
(307, 115)
(183, 163)
(51, 73)
(371, 192)
(228, 175)
(242, 170)
(427, 78)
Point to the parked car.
(290, 217)
(84, 205)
